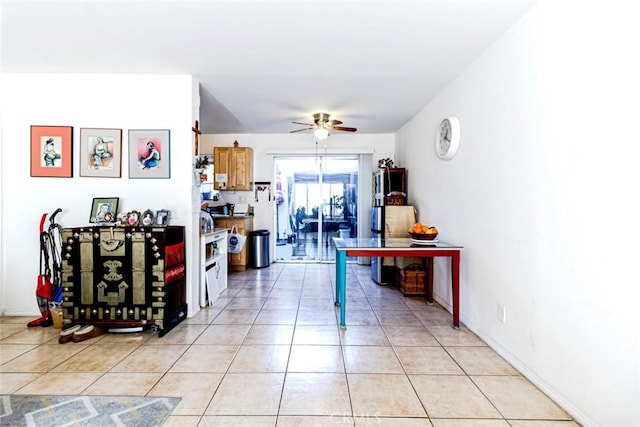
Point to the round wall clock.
(448, 137)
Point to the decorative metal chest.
(121, 277)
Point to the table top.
(396, 243)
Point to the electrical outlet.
(242, 199)
(174, 212)
(502, 313)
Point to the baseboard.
(578, 415)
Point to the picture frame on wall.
(149, 153)
(52, 151)
(104, 210)
(100, 152)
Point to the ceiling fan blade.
(344, 129)
(299, 130)
(334, 122)
(300, 123)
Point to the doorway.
(316, 200)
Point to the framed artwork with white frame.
(100, 152)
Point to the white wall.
(265, 145)
(543, 194)
(87, 101)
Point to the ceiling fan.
(322, 125)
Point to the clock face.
(445, 137)
(448, 138)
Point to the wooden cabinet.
(237, 164)
(244, 225)
(124, 277)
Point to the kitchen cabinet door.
(237, 164)
(241, 167)
(244, 227)
(221, 160)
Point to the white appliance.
(240, 209)
(387, 222)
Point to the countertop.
(212, 232)
(217, 216)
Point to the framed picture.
(147, 218)
(52, 151)
(162, 218)
(100, 152)
(149, 153)
(104, 209)
(133, 219)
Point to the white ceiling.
(263, 64)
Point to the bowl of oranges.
(423, 232)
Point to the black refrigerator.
(388, 222)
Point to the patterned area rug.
(49, 411)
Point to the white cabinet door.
(215, 279)
(213, 266)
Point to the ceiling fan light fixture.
(322, 126)
(321, 133)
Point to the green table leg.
(337, 299)
(341, 285)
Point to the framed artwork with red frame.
(52, 151)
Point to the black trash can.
(259, 248)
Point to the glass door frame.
(324, 204)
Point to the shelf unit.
(387, 180)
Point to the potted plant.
(385, 163)
(202, 162)
(200, 165)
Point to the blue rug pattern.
(99, 411)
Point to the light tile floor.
(269, 352)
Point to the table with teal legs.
(397, 247)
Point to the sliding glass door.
(316, 199)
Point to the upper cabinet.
(233, 167)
